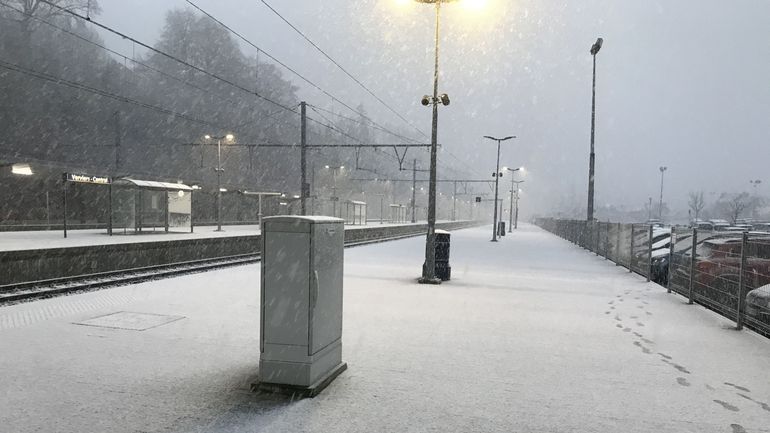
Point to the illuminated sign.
(85, 178)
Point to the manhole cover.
(129, 320)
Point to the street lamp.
(516, 212)
(229, 138)
(20, 169)
(513, 183)
(497, 175)
(429, 268)
(660, 206)
(594, 50)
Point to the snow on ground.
(30, 240)
(531, 335)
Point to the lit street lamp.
(229, 138)
(429, 268)
(497, 175)
(516, 212)
(660, 206)
(592, 158)
(513, 185)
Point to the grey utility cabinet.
(301, 303)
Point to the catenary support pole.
(304, 186)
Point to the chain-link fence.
(727, 272)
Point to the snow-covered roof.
(153, 184)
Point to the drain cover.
(130, 321)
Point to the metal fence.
(627, 245)
(728, 273)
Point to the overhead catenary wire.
(290, 69)
(180, 61)
(340, 67)
(137, 62)
(80, 86)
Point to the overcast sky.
(682, 83)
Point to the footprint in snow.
(727, 405)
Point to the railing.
(729, 272)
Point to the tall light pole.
(516, 218)
(660, 206)
(429, 268)
(513, 183)
(496, 175)
(592, 158)
(219, 170)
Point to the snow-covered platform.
(44, 239)
(531, 335)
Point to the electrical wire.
(290, 69)
(345, 71)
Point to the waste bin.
(301, 304)
(442, 270)
(501, 228)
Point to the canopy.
(153, 184)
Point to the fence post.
(649, 256)
(742, 282)
(672, 241)
(632, 257)
(607, 242)
(692, 265)
(617, 245)
(596, 237)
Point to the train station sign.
(87, 178)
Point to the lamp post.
(516, 217)
(219, 170)
(496, 175)
(660, 206)
(592, 157)
(334, 198)
(513, 183)
(429, 268)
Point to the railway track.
(32, 290)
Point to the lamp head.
(425, 100)
(597, 46)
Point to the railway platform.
(532, 334)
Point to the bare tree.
(28, 10)
(696, 203)
(736, 205)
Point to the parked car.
(718, 263)
(758, 303)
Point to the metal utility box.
(301, 303)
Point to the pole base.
(493, 240)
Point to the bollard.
(692, 265)
(742, 283)
(649, 256)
